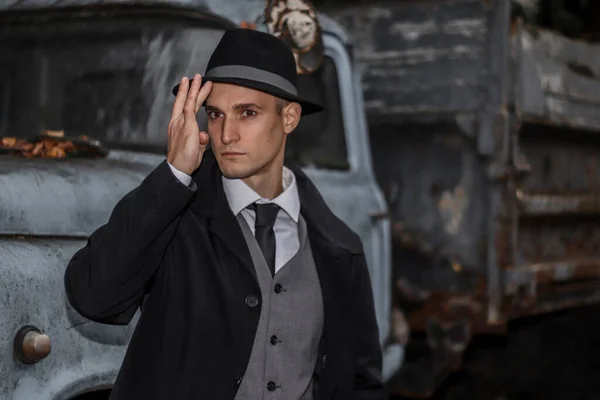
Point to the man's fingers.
(180, 98)
(203, 95)
(174, 125)
(190, 102)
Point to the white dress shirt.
(239, 196)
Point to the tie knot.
(266, 214)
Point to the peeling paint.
(472, 27)
(413, 30)
(452, 204)
(420, 55)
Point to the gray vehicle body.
(49, 207)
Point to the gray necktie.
(266, 214)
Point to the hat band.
(251, 73)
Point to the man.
(250, 288)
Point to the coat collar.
(239, 195)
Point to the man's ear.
(291, 116)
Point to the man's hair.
(280, 104)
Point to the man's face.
(247, 132)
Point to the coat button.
(274, 340)
(271, 386)
(251, 301)
(278, 288)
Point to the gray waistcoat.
(287, 339)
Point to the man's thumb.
(203, 137)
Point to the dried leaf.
(9, 141)
(55, 152)
(37, 150)
(54, 133)
(46, 146)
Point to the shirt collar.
(239, 195)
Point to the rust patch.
(400, 326)
(553, 286)
(545, 204)
(556, 299)
(448, 309)
(564, 271)
(452, 206)
(408, 239)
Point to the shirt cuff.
(182, 176)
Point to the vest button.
(271, 386)
(278, 288)
(274, 340)
(251, 301)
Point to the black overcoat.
(179, 254)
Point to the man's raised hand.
(186, 142)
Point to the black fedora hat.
(256, 60)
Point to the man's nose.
(229, 133)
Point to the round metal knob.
(31, 345)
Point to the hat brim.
(308, 107)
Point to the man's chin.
(231, 173)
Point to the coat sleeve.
(367, 377)
(105, 281)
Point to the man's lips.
(231, 154)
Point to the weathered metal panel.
(435, 76)
(558, 260)
(492, 220)
(424, 57)
(560, 79)
(557, 97)
(74, 198)
(85, 355)
(234, 11)
(437, 190)
(561, 162)
(413, 84)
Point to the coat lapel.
(211, 203)
(332, 269)
(333, 245)
(228, 231)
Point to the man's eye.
(213, 115)
(249, 113)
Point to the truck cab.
(101, 73)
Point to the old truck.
(97, 75)
(484, 133)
